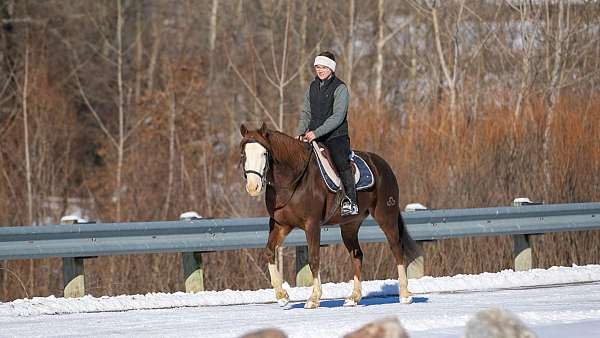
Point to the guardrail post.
(416, 268)
(521, 246)
(303, 273)
(73, 272)
(193, 269)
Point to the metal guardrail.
(75, 242)
(100, 239)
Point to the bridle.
(263, 175)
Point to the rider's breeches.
(339, 148)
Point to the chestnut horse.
(296, 196)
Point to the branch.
(95, 114)
(302, 64)
(262, 66)
(247, 85)
(395, 31)
(438, 44)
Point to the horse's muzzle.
(254, 186)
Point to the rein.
(294, 184)
(336, 203)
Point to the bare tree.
(451, 67)
(350, 44)
(554, 87)
(118, 141)
(302, 42)
(276, 75)
(528, 31)
(26, 138)
(382, 39)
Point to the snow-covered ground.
(558, 302)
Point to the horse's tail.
(410, 249)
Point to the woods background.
(130, 110)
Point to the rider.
(324, 118)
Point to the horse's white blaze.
(256, 160)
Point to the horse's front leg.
(350, 238)
(277, 234)
(313, 238)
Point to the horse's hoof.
(350, 302)
(311, 305)
(282, 297)
(406, 300)
(283, 302)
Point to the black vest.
(321, 106)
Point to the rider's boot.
(349, 204)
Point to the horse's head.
(255, 148)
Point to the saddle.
(363, 176)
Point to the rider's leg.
(348, 181)
(339, 148)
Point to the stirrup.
(348, 208)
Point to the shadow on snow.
(333, 303)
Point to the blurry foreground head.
(497, 323)
(266, 333)
(384, 328)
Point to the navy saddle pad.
(363, 176)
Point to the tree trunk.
(282, 77)
(26, 136)
(120, 148)
(139, 51)
(212, 38)
(379, 54)
(171, 173)
(156, 34)
(450, 78)
(350, 47)
(303, 56)
(551, 98)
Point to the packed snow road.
(558, 302)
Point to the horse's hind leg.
(277, 234)
(388, 221)
(350, 238)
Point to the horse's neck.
(289, 156)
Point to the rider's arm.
(340, 109)
(304, 114)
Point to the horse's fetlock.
(281, 294)
(312, 303)
(356, 295)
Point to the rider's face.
(322, 72)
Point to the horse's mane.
(287, 149)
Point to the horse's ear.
(243, 130)
(263, 129)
